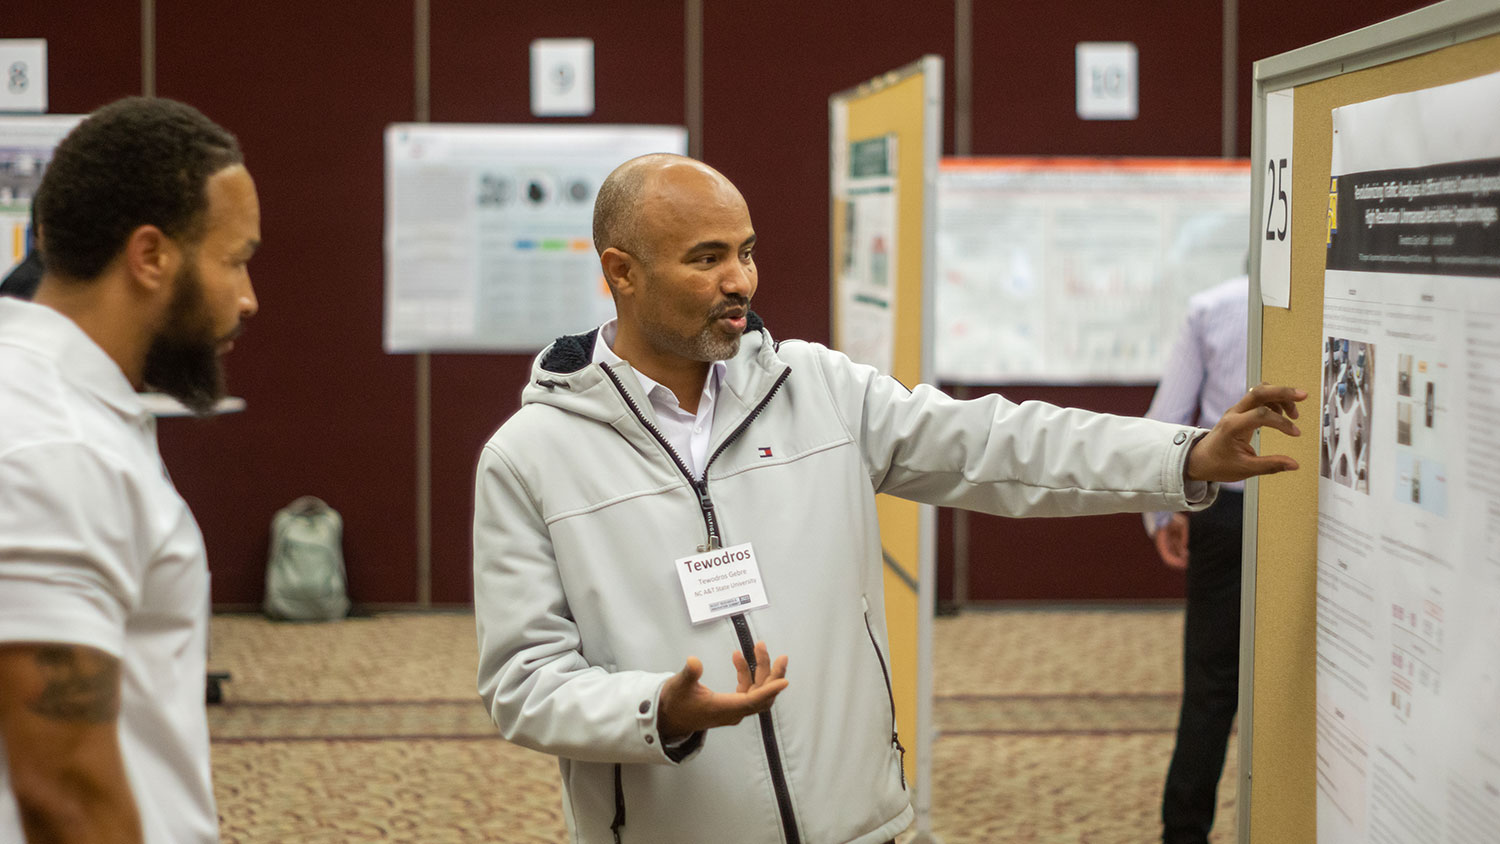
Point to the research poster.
(1079, 270)
(1408, 646)
(867, 266)
(26, 145)
(489, 231)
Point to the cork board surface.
(1284, 792)
(899, 109)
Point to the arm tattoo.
(80, 685)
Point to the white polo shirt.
(98, 549)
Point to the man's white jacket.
(581, 509)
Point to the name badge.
(721, 582)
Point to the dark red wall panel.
(1075, 559)
(1278, 26)
(769, 69)
(1024, 99)
(481, 59)
(308, 88)
(1021, 560)
(1025, 104)
(92, 58)
(481, 72)
(471, 396)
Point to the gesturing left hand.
(1226, 454)
(686, 706)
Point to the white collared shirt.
(687, 433)
(98, 549)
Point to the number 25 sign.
(1275, 219)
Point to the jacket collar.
(563, 376)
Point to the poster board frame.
(1448, 42)
(906, 104)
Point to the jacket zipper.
(741, 626)
(891, 692)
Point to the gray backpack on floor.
(305, 578)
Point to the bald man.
(677, 487)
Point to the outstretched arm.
(58, 708)
(990, 455)
(1226, 453)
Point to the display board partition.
(886, 137)
(1308, 771)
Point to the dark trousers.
(1210, 670)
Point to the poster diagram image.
(1421, 474)
(1423, 482)
(26, 145)
(1416, 655)
(1348, 379)
(21, 173)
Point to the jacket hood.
(564, 375)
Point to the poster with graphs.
(488, 231)
(1408, 646)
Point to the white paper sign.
(1106, 80)
(1275, 222)
(562, 77)
(23, 75)
(721, 582)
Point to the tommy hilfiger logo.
(765, 451)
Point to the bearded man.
(147, 220)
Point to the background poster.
(26, 145)
(1079, 270)
(865, 283)
(1408, 650)
(489, 231)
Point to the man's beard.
(708, 345)
(183, 359)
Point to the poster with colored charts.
(489, 231)
(1408, 577)
(26, 145)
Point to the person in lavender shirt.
(1205, 375)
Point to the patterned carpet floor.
(1054, 726)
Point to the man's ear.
(619, 270)
(151, 257)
